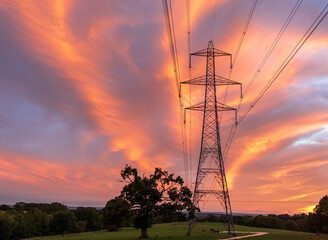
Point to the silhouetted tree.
(290, 225)
(44, 207)
(318, 221)
(5, 207)
(5, 226)
(64, 221)
(35, 223)
(90, 216)
(148, 194)
(117, 212)
(168, 213)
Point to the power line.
(167, 8)
(234, 60)
(273, 45)
(265, 58)
(250, 15)
(171, 34)
(244, 32)
(183, 130)
(298, 46)
(189, 74)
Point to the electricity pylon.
(210, 151)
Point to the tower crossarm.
(219, 106)
(218, 81)
(212, 192)
(212, 108)
(210, 51)
(205, 52)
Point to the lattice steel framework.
(210, 152)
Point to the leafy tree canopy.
(117, 213)
(64, 221)
(148, 195)
(5, 207)
(48, 208)
(322, 207)
(90, 216)
(318, 221)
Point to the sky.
(87, 87)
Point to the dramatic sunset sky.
(88, 86)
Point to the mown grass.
(178, 231)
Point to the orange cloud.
(98, 58)
(49, 37)
(39, 174)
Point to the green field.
(178, 231)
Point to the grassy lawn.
(178, 231)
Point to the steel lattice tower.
(210, 151)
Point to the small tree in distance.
(116, 213)
(64, 221)
(148, 195)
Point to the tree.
(290, 225)
(169, 214)
(322, 207)
(147, 195)
(44, 207)
(64, 221)
(35, 223)
(52, 207)
(318, 221)
(5, 207)
(117, 212)
(90, 216)
(5, 226)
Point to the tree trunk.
(144, 233)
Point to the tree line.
(161, 197)
(26, 220)
(316, 222)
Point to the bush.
(90, 216)
(112, 228)
(5, 226)
(81, 226)
(5, 207)
(64, 221)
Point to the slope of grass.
(178, 231)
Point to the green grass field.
(178, 231)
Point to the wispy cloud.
(87, 88)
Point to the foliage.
(81, 226)
(5, 207)
(168, 214)
(5, 226)
(210, 218)
(318, 221)
(149, 195)
(44, 207)
(35, 219)
(35, 223)
(117, 212)
(90, 216)
(112, 228)
(64, 221)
